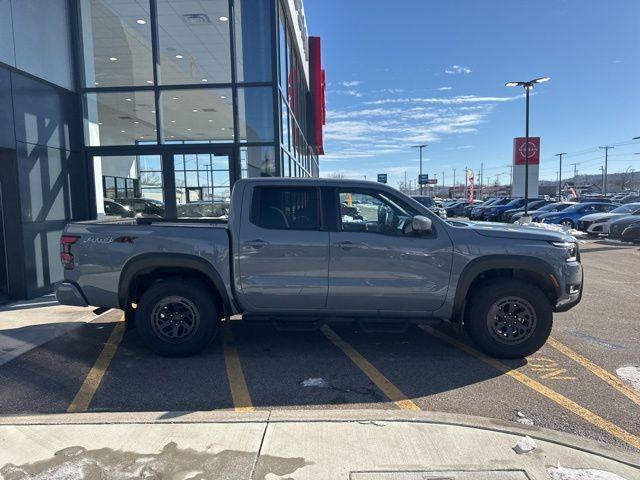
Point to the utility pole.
(560, 174)
(454, 182)
(575, 171)
(602, 174)
(606, 158)
(510, 180)
(420, 147)
(444, 190)
(405, 181)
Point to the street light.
(527, 86)
(420, 147)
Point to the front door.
(283, 253)
(376, 267)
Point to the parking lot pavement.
(570, 385)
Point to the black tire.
(177, 317)
(530, 324)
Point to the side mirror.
(421, 224)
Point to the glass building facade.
(152, 106)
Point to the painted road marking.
(598, 371)
(548, 368)
(558, 398)
(92, 381)
(389, 389)
(237, 383)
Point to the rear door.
(375, 266)
(283, 257)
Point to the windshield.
(426, 201)
(629, 208)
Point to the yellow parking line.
(92, 381)
(237, 382)
(388, 388)
(558, 398)
(598, 371)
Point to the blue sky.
(433, 71)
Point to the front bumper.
(68, 293)
(597, 228)
(572, 287)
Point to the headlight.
(571, 249)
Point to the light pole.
(560, 174)
(420, 147)
(527, 87)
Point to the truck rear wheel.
(177, 317)
(509, 319)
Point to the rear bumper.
(68, 293)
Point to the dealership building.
(157, 106)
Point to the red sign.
(519, 150)
(317, 94)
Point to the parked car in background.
(618, 225)
(595, 200)
(146, 207)
(599, 223)
(204, 209)
(552, 207)
(457, 209)
(569, 217)
(478, 213)
(632, 233)
(431, 204)
(630, 199)
(508, 214)
(115, 209)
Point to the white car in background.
(599, 223)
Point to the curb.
(326, 416)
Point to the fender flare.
(497, 262)
(147, 262)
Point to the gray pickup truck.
(301, 252)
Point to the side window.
(373, 213)
(285, 208)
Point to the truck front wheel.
(177, 317)
(509, 318)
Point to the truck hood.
(518, 232)
(594, 217)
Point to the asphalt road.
(570, 385)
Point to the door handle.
(257, 243)
(348, 245)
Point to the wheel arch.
(531, 269)
(145, 266)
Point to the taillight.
(66, 257)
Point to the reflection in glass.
(253, 40)
(205, 190)
(116, 37)
(257, 162)
(255, 114)
(194, 42)
(204, 115)
(120, 118)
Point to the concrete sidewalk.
(27, 324)
(356, 445)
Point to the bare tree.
(335, 175)
(626, 178)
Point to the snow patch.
(315, 382)
(560, 473)
(631, 375)
(557, 228)
(525, 445)
(522, 418)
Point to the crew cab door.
(374, 266)
(283, 256)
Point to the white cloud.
(350, 83)
(350, 93)
(458, 100)
(456, 69)
(445, 88)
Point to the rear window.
(286, 208)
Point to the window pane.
(204, 115)
(194, 41)
(260, 161)
(203, 192)
(117, 43)
(363, 212)
(284, 122)
(282, 49)
(253, 40)
(286, 208)
(120, 118)
(255, 114)
(132, 185)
